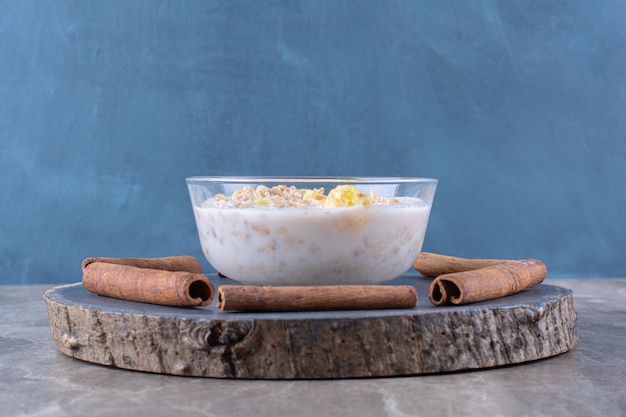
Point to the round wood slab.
(204, 341)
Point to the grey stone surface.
(37, 380)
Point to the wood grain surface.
(206, 342)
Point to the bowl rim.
(306, 179)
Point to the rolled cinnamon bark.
(433, 265)
(309, 298)
(147, 285)
(488, 283)
(167, 263)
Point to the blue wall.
(517, 107)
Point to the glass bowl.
(311, 230)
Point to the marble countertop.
(590, 380)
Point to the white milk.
(313, 246)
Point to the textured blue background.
(517, 107)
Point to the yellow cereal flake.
(264, 201)
(347, 196)
(317, 194)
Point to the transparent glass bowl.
(367, 231)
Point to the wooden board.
(206, 342)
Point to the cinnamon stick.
(490, 282)
(308, 298)
(166, 263)
(150, 282)
(433, 265)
